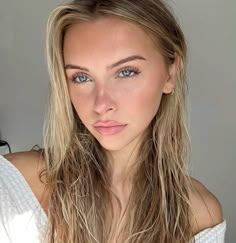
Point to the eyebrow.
(124, 60)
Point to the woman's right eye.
(80, 78)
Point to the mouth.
(108, 123)
(109, 127)
(110, 130)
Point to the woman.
(114, 164)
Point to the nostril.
(104, 103)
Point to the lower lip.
(110, 130)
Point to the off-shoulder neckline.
(216, 227)
(21, 177)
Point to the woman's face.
(116, 76)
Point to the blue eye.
(128, 72)
(80, 78)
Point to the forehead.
(107, 35)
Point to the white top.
(22, 218)
(212, 235)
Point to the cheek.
(144, 101)
(79, 101)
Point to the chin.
(111, 145)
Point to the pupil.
(82, 78)
(126, 72)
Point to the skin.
(133, 101)
(106, 93)
(203, 202)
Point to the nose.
(104, 101)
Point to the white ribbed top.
(212, 235)
(22, 219)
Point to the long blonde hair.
(77, 167)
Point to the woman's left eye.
(128, 72)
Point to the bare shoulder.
(31, 165)
(206, 208)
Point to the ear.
(170, 83)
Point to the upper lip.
(107, 124)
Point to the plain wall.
(210, 30)
(209, 27)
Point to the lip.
(110, 130)
(109, 127)
(109, 123)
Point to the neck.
(122, 164)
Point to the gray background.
(209, 27)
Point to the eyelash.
(133, 70)
(76, 75)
